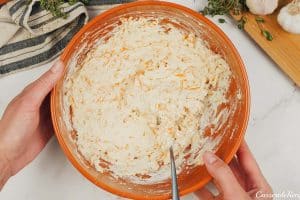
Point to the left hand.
(26, 124)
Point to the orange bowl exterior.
(198, 177)
(3, 1)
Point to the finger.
(45, 126)
(38, 90)
(251, 169)
(223, 175)
(204, 194)
(238, 172)
(249, 164)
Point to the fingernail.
(57, 66)
(210, 157)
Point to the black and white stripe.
(42, 36)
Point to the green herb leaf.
(54, 6)
(267, 35)
(224, 7)
(221, 20)
(241, 22)
(260, 19)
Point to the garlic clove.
(289, 17)
(262, 7)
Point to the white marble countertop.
(273, 133)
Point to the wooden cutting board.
(284, 49)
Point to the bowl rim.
(69, 47)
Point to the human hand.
(26, 124)
(242, 179)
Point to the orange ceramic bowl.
(3, 1)
(232, 130)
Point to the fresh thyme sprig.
(241, 22)
(234, 7)
(54, 6)
(224, 7)
(259, 20)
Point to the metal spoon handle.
(175, 195)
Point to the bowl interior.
(231, 131)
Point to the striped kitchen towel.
(32, 36)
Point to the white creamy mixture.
(147, 87)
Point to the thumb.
(224, 177)
(40, 88)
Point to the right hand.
(241, 180)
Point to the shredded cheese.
(145, 88)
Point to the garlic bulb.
(196, 5)
(262, 7)
(289, 17)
